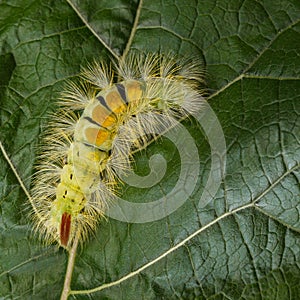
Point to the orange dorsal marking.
(97, 137)
(103, 117)
(115, 102)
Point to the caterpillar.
(89, 141)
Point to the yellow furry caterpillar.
(88, 140)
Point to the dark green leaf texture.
(250, 245)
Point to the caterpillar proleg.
(89, 139)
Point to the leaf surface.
(245, 243)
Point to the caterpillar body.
(90, 138)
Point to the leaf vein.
(92, 30)
(133, 30)
(152, 262)
(184, 241)
(18, 178)
(269, 44)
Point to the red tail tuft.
(65, 227)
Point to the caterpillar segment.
(77, 171)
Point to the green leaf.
(245, 243)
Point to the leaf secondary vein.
(133, 30)
(268, 46)
(18, 177)
(251, 64)
(183, 242)
(92, 30)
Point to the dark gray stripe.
(93, 146)
(121, 90)
(92, 121)
(103, 102)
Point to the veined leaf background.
(250, 245)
